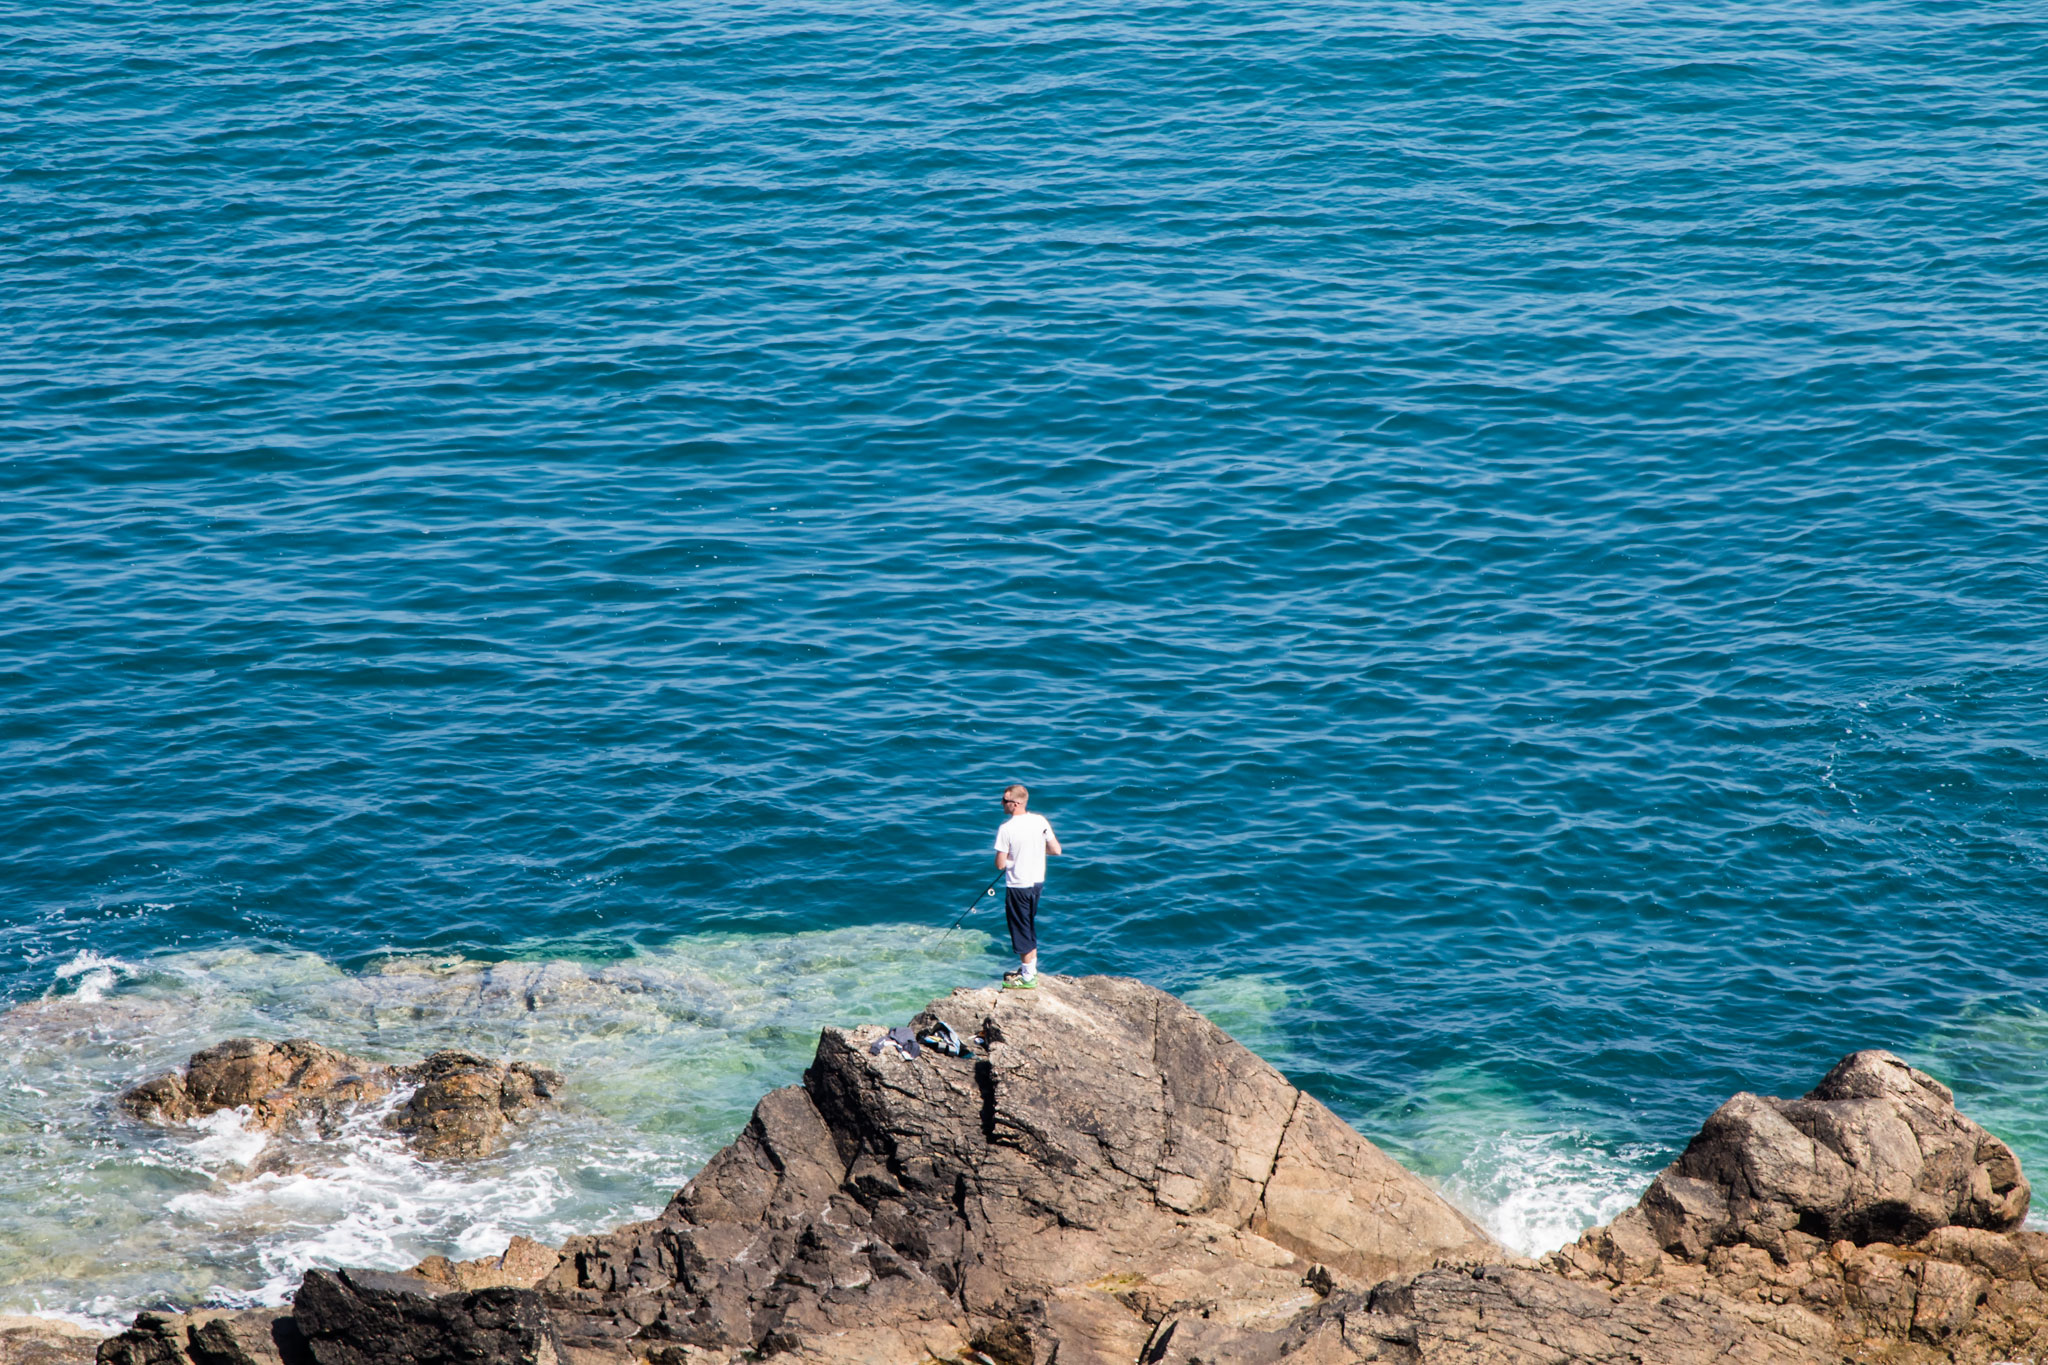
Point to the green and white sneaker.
(1020, 983)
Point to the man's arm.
(1002, 861)
(1052, 841)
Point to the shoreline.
(1112, 1178)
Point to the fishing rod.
(970, 907)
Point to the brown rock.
(1946, 1301)
(463, 1102)
(277, 1082)
(1113, 1152)
(1875, 1152)
(459, 1108)
(45, 1341)
(1334, 1197)
(523, 1264)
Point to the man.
(1021, 845)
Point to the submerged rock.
(1113, 1179)
(459, 1107)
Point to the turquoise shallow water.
(1505, 537)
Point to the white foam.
(1537, 1191)
(96, 975)
(226, 1139)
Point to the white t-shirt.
(1023, 837)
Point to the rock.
(1114, 1152)
(255, 1336)
(278, 1082)
(258, 1336)
(463, 1102)
(524, 1264)
(1115, 1182)
(1875, 1152)
(153, 1339)
(45, 1341)
(1510, 1316)
(353, 1317)
(459, 1107)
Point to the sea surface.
(1507, 539)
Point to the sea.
(1506, 537)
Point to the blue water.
(1506, 538)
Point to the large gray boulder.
(1876, 1152)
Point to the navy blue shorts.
(1020, 907)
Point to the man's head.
(1015, 797)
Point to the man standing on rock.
(1022, 842)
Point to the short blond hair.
(1019, 790)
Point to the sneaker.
(1019, 983)
(1013, 975)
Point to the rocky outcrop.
(358, 1317)
(1867, 1220)
(1875, 1153)
(1109, 1156)
(459, 1106)
(1112, 1179)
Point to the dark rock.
(1004, 1343)
(153, 1339)
(369, 1317)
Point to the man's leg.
(1020, 908)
